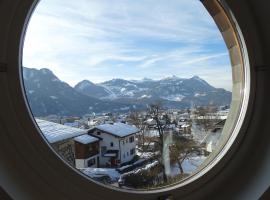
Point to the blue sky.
(103, 39)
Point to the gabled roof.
(118, 129)
(86, 139)
(54, 132)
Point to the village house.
(117, 143)
(87, 151)
(109, 145)
(60, 138)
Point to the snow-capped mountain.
(48, 95)
(92, 90)
(171, 91)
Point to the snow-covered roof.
(86, 139)
(118, 129)
(57, 132)
(72, 124)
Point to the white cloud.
(91, 39)
(202, 58)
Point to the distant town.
(136, 134)
(138, 149)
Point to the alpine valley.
(47, 95)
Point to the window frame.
(131, 139)
(54, 159)
(132, 151)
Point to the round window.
(137, 95)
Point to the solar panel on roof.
(54, 132)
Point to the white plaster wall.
(82, 163)
(123, 148)
(126, 147)
(79, 163)
(107, 139)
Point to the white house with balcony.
(117, 143)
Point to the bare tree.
(140, 123)
(181, 150)
(162, 122)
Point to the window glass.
(132, 151)
(131, 139)
(91, 162)
(153, 75)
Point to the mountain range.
(48, 95)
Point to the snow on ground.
(143, 168)
(199, 94)
(138, 165)
(145, 96)
(148, 166)
(189, 165)
(146, 155)
(96, 172)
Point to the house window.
(91, 162)
(111, 144)
(127, 153)
(98, 133)
(132, 151)
(123, 142)
(103, 150)
(131, 139)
